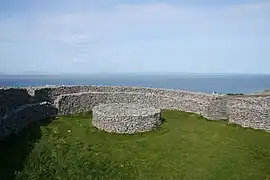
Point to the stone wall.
(18, 108)
(248, 111)
(16, 120)
(12, 98)
(85, 97)
(209, 106)
(126, 118)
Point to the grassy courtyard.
(187, 146)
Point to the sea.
(208, 83)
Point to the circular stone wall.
(126, 118)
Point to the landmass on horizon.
(33, 73)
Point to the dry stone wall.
(78, 98)
(16, 120)
(11, 99)
(126, 118)
(250, 112)
(79, 102)
(247, 111)
(204, 105)
(19, 108)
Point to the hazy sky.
(90, 36)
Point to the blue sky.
(87, 36)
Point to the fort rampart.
(21, 106)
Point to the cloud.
(72, 38)
(126, 34)
(126, 19)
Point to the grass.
(187, 146)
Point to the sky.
(134, 36)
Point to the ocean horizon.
(208, 83)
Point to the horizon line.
(126, 73)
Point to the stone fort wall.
(17, 104)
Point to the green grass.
(187, 146)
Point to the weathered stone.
(250, 112)
(246, 111)
(126, 118)
(15, 121)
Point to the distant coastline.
(209, 83)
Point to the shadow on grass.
(14, 150)
(87, 115)
(163, 120)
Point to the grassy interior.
(187, 146)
